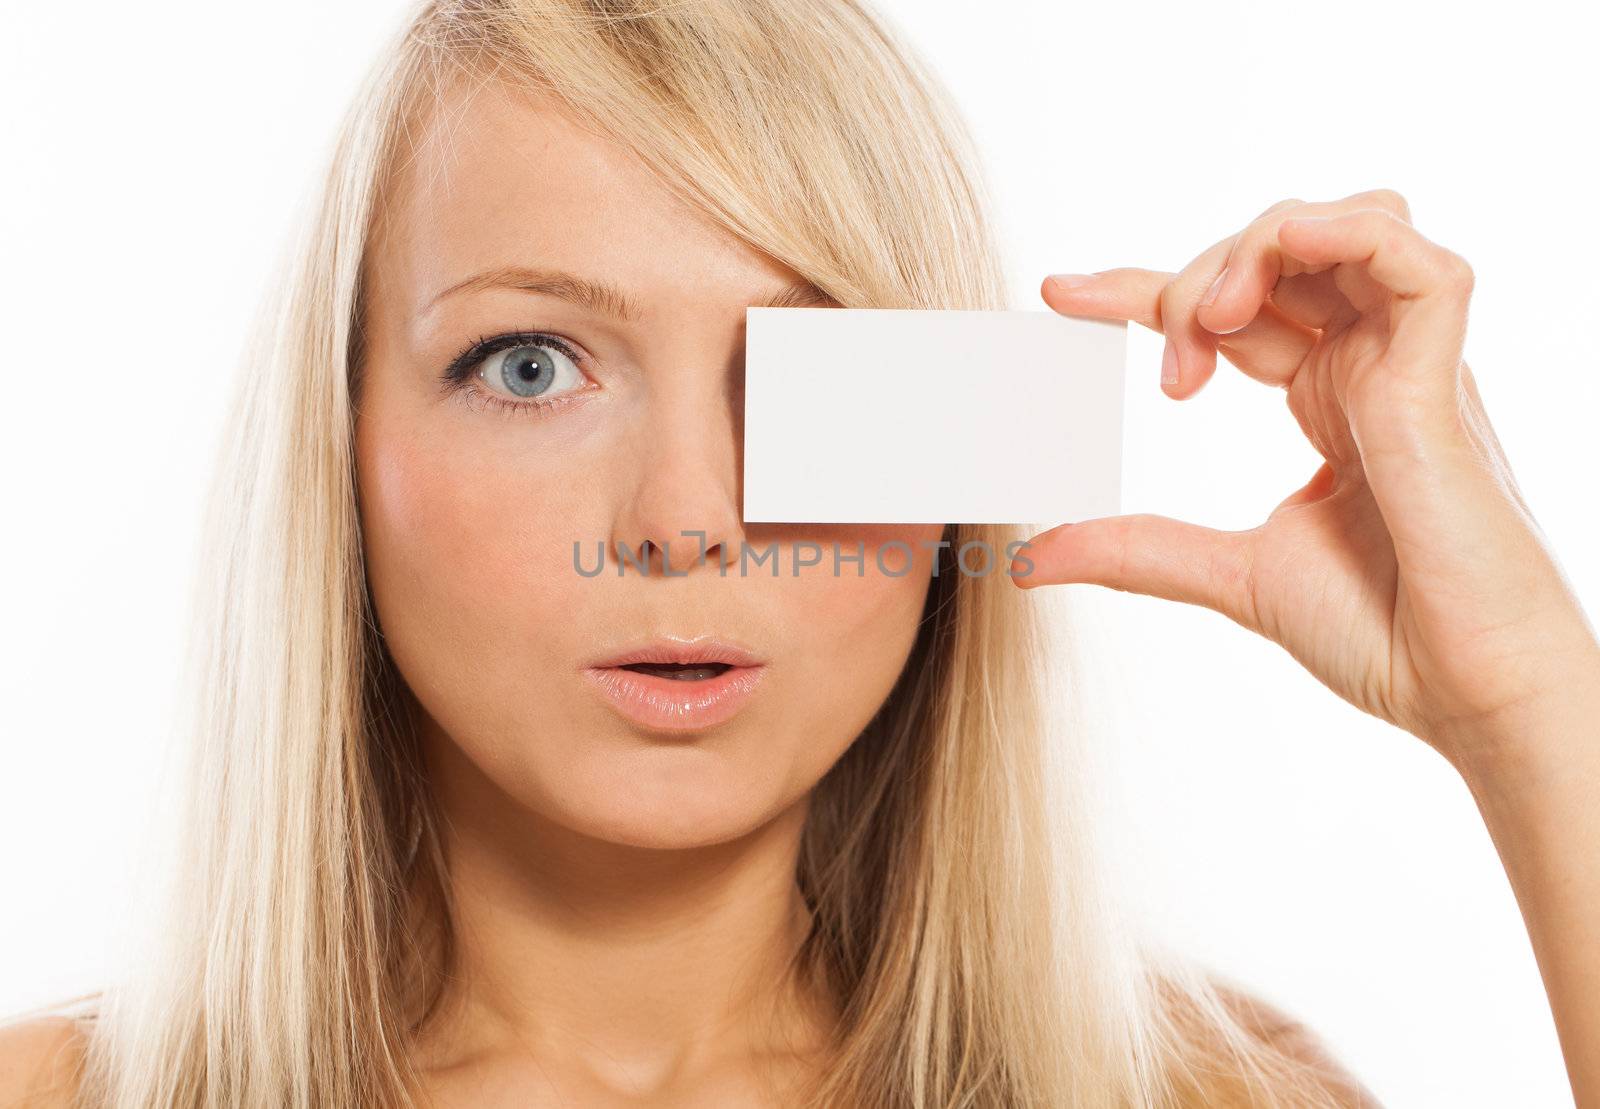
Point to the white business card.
(900, 416)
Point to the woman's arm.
(1540, 797)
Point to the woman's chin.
(669, 798)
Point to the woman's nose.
(680, 504)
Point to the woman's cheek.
(470, 559)
(863, 619)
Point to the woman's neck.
(638, 968)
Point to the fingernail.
(1169, 364)
(1071, 280)
(1216, 287)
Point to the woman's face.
(471, 506)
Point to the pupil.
(530, 373)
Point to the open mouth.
(678, 685)
(679, 671)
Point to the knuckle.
(1456, 271)
(1391, 200)
(1395, 233)
(1292, 202)
(1392, 234)
(1168, 308)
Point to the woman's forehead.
(502, 178)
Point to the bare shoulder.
(1294, 1040)
(40, 1060)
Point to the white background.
(154, 155)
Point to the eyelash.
(458, 374)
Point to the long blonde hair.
(961, 916)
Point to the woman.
(468, 827)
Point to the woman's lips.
(672, 683)
(676, 704)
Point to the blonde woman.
(468, 827)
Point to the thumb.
(1144, 553)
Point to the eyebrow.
(598, 296)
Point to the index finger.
(1126, 293)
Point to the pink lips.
(678, 704)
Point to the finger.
(1126, 293)
(1404, 408)
(1269, 350)
(1313, 300)
(1429, 284)
(1292, 202)
(1433, 471)
(1154, 555)
(1255, 265)
(1405, 261)
(1190, 355)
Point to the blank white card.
(901, 416)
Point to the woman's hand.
(1407, 574)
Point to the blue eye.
(540, 369)
(531, 370)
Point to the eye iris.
(528, 371)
